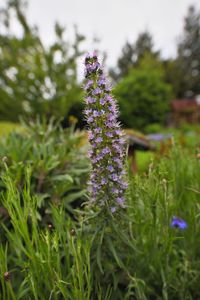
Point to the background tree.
(184, 71)
(35, 79)
(143, 95)
(132, 55)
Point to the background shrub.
(144, 96)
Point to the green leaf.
(114, 252)
(64, 177)
(99, 258)
(100, 241)
(73, 196)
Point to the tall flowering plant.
(106, 185)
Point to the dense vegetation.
(53, 244)
(144, 88)
(51, 251)
(42, 80)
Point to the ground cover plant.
(143, 246)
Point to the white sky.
(113, 21)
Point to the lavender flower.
(107, 185)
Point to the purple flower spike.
(107, 153)
(178, 223)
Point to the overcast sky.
(113, 21)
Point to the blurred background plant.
(36, 80)
(141, 91)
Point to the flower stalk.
(107, 183)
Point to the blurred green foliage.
(34, 79)
(143, 95)
(8, 127)
(188, 59)
(132, 54)
(181, 72)
(40, 80)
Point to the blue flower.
(178, 223)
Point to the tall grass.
(167, 263)
(44, 263)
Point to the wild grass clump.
(43, 263)
(167, 263)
